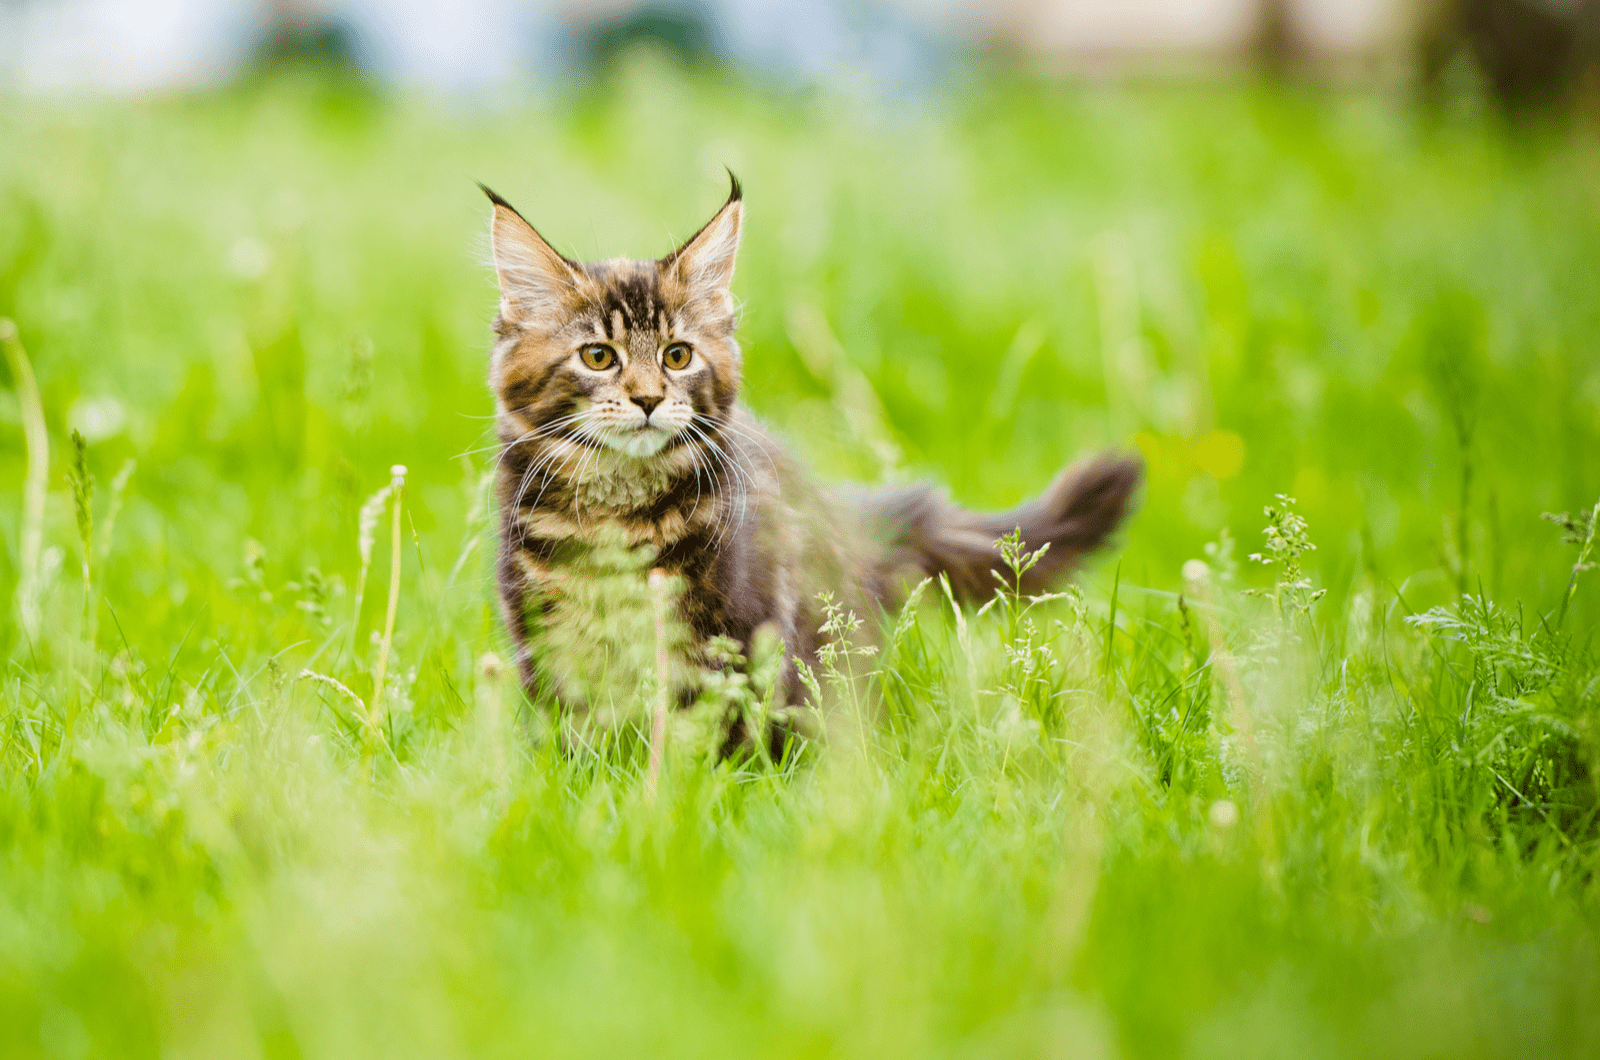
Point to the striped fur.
(616, 389)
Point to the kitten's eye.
(678, 356)
(598, 357)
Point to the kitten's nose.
(648, 402)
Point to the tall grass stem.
(36, 483)
(397, 484)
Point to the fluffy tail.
(1075, 516)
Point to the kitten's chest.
(596, 603)
(607, 559)
(612, 492)
(607, 527)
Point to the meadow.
(258, 800)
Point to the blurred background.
(1520, 49)
(1341, 249)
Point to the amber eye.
(598, 357)
(678, 356)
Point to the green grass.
(1211, 825)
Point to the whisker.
(709, 467)
(546, 461)
(744, 473)
(583, 468)
(745, 482)
(744, 433)
(539, 432)
(697, 451)
(555, 468)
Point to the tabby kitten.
(616, 388)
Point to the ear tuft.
(536, 280)
(494, 196)
(705, 262)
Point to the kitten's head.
(620, 355)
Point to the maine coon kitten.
(616, 388)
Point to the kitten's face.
(632, 357)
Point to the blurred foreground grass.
(1146, 824)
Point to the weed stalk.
(82, 483)
(1583, 537)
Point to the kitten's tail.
(1075, 516)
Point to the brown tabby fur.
(670, 458)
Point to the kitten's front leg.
(521, 579)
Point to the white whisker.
(745, 481)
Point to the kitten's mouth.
(641, 441)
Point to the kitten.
(616, 389)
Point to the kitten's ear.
(705, 263)
(536, 281)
